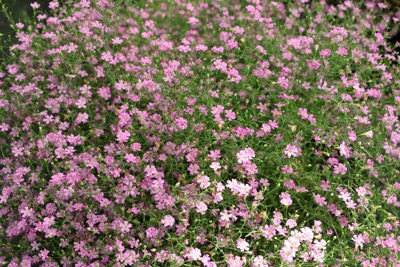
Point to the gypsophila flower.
(143, 135)
(204, 181)
(245, 155)
(285, 199)
(194, 254)
(292, 151)
(123, 136)
(168, 220)
(242, 245)
(215, 165)
(259, 261)
(181, 123)
(235, 261)
(201, 207)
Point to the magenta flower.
(325, 52)
(181, 123)
(123, 136)
(339, 169)
(151, 232)
(82, 118)
(168, 220)
(292, 151)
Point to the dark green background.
(21, 11)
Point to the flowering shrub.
(215, 133)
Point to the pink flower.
(339, 169)
(320, 199)
(230, 115)
(181, 123)
(123, 136)
(250, 168)
(151, 232)
(245, 155)
(194, 254)
(268, 231)
(136, 146)
(35, 5)
(125, 227)
(117, 40)
(214, 154)
(44, 254)
(168, 220)
(342, 51)
(260, 262)
(53, 5)
(217, 110)
(344, 150)
(82, 118)
(201, 48)
(291, 223)
(325, 53)
(358, 240)
(27, 212)
(313, 64)
(220, 65)
(201, 207)
(193, 169)
(285, 199)
(204, 181)
(303, 113)
(235, 261)
(292, 151)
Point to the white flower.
(215, 166)
(242, 245)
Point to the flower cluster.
(205, 133)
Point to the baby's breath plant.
(201, 133)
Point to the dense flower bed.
(188, 133)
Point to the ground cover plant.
(201, 133)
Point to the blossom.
(204, 181)
(259, 261)
(245, 155)
(27, 212)
(344, 150)
(168, 220)
(215, 165)
(181, 123)
(194, 254)
(123, 136)
(339, 169)
(325, 52)
(285, 199)
(201, 207)
(268, 231)
(82, 118)
(235, 261)
(35, 5)
(242, 245)
(125, 227)
(44, 254)
(292, 151)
